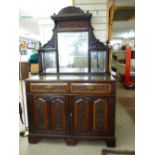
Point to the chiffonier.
(73, 97)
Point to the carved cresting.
(100, 113)
(40, 109)
(81, 114)
(71, 10)
(58, 111)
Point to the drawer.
(48, 87)
(90, 88)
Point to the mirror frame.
(73, 19)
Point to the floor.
(126, 97)
(125, 133)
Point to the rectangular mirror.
(73, 52)
(98, 61)
(49, 62)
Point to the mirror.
(98, 61)
(49, 62)
(73, 52)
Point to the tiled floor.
(125, 133)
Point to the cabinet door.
(80, 115)
(40, 113)
(58, 116)
(100, 106)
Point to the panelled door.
(100, 115)
(40, 113)
(80, 115)
(59, 114)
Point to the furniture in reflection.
(24, 70)
(73, 97)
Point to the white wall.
(41, 26)
(45, 26)
(99, 10)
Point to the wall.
(99, 10)
(45, 26)
(99, 21)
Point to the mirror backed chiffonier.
(73, 97)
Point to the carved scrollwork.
(95, 44)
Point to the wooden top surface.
(85, 78)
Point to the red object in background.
(128, 81)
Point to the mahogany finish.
(72, 115)
(72, 106)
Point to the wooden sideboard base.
(71, 141)
(72, 110)
(110, 142)
(33, 139)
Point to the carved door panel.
(40, 112)
(58, 116)
(80, 115)
(100, 115)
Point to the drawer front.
(90, 88)
(48, 87)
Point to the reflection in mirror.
(98, 61)
(49, 62)
(73, 51)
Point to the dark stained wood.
(24, 68)
(40, 114)
(90, 88)
(48, 87)
(71, 141)
(111, 142)
(89, 116)
(72, 106)
(73, 25)
(33, 139)
(80, 114)
(72, 19)
(100, 115)
(59, 115)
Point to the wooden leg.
(71, 141)
(111, 142)
(33, 139)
